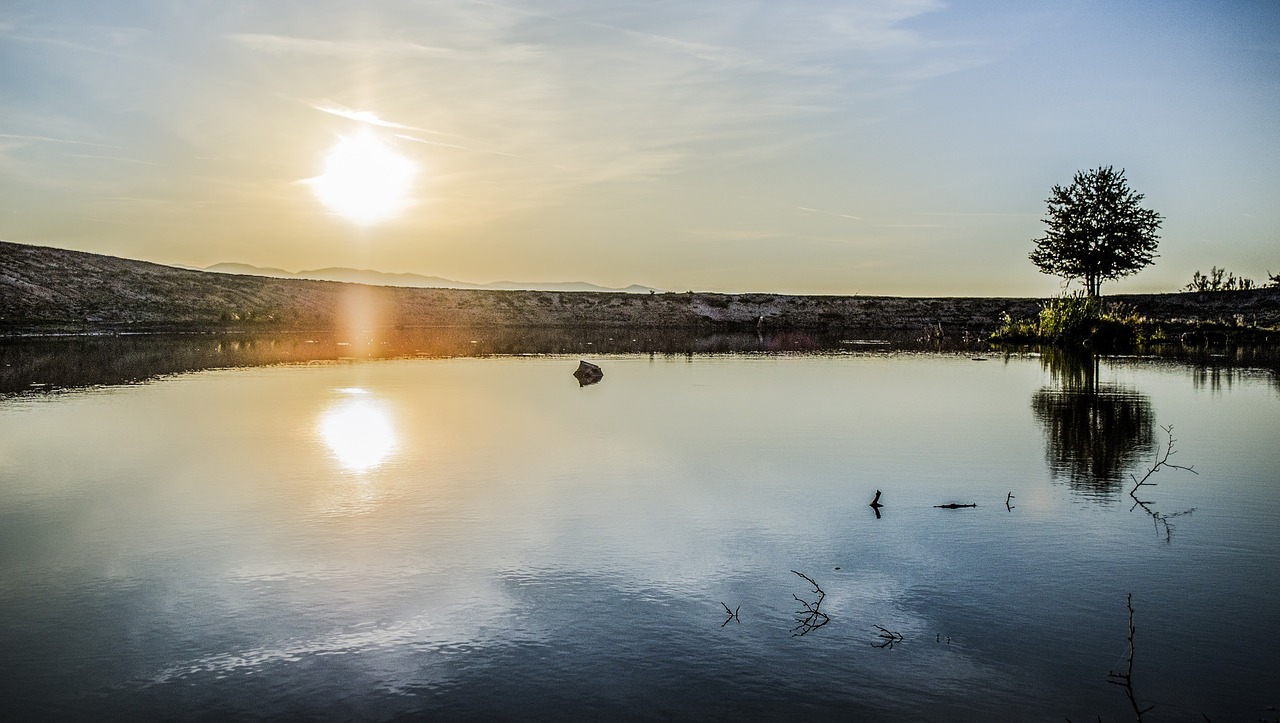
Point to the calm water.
(483, 538)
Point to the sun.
(364, 180)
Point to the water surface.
(481, 537)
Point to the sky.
(900, 147)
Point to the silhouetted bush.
(1221, 280)
(1076, 319)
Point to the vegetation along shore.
(55, 291)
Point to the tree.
(1097, 230)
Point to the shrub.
(1068, 314)
(1219, 280)
(1015, 330)
(1074, 319)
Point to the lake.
(463, 532)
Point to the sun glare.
(359, 432)
(364, 180)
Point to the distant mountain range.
(384, 278)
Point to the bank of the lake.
(56, 291)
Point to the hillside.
(47, 290)
(383, 278)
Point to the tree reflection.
(1094, 431)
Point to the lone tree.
(1097, 230)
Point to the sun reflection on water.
(358, 431)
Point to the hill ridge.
(49, 290)
(375, 277)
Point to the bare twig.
(1125, 679)
(732, 614)
(811, 617)
(1159, 519)
(1008, 506)
(887, 637)
(1162, 460)
(955, 506)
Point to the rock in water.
(588, 373)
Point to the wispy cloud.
(119, 159)
(442, 144)
(806, 209)
(732, 234)
(371, 118)
(100, 39)
(363, 116)
(47, 139)
(285, 44)
(982, 214)
(586, 94)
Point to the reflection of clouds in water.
(346, 643)
(358, 432)
(407, 641)
(542, 624)
(278, 572)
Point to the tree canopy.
(1097, 230)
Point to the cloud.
(120, 159)
(363, 116)
(982, 214)
(732, 234)
(520, 105)
(541, 99)
(46, 139)
(718, 55)
(835, 214)
(285, 44)
(442, 144)
(100, 39)
(371, 118)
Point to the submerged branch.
(1125, 679)
(732, 614)
(887, 637)
(1162, 461)
(811, 617)
(1159, 519)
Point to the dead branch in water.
(888, 638)
(1162, 460)
(1125, 679)
(811, 617)
(954, 506)
(733, 614)
(1159, 519)
(1008, 506)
